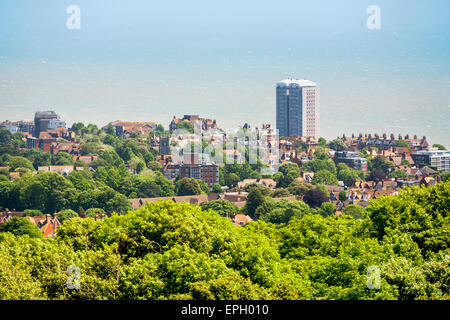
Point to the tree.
(48, 192)
(223, 207)
(203, 186)
(403, 144)
(376, 175)
(299, 188)
(188, 187)
(327, 209)
(231, 179)
(19, 140)
(283, 211)
(82, 180)
(439, 146)
(217, 188)
(266, 191)
(314, 198)
(5, 136)
(20, 162)
(445, 176)
(21, 226)
(320, 154)
(31, 213)
(398, 174)
(317, 165)
(77, 126)
(287, 167)
(254, 199)
(118, 203)
(154, 165)
(347, 175)
(160, 128)
(186, 125)
(89, 148)
(94, 212)
(380, 163)
(322, 142)
(405, 163)
(281, 192)
(325, 177)
(38, 157)
(342, 195)
(63, 159)
(421, 213)
(287, 172)
(354, 210)
(337, 145)
(66, 214)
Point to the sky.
(152, 60)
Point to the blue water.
(148, 60)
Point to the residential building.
(208, 172)
(297, 108)
(62, 170)
(164, 145)
(141, 128)
(351, 159)
(199, 123)
(44, 120)
(433, 157)
(18, 126)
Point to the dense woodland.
(168, 250)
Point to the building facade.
(208, 172)
(44, 120)
(434, 157)
(298, 106)
(351, 159)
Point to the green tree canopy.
(223, 207)
(188, 187)
(325, 177)
(66, 214)
(21, 226)
(337, 145)
(314, 198)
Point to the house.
(47, 224)
(198, 123)
(57, 147)
(8, 215)
(307, 176)
(86, 159)
(125, 128)
(428, 181)
(62, 170)
(270, 183)
(241, 220)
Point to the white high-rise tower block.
(298, 106)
